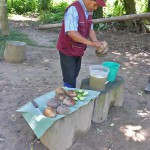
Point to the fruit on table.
(62, 101)
(60, 90)
(69, 101)
(71, 93)
(81, 95)
(53, 102)
(49, 112)
(62, 110)
(60, 96)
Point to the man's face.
(91, 5)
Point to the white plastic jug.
(98, 77)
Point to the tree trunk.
(129, 6)
(12, 3)
(4, 18)
(44, 4)
(148, 8)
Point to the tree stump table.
(15, 51)
(63, 133)
(112, 95)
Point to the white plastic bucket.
(98, 77)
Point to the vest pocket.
(76, 46)
(77, 49)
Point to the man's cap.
(101, 3)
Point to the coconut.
(69, 101)
(53, 102)
(49, 112)
(71, 93)
(62, 110)
(60, 90)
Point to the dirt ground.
(126, 128)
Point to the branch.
(102, 20)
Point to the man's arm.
(77, 37)
(71, 27)
(92, 35)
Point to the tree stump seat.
(112, 95)
(15, 51)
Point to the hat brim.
(101, 3)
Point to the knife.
(37, 107)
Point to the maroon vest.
(65, 44)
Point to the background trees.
(114, 7)
(49, 11)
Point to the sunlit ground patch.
(136, 133)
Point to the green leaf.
(98, 131)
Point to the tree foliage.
(98, 14)
(52, 12)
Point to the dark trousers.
(70, 66)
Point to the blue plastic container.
(114, 67)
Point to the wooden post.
(15, 51)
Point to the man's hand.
(103, 48)
(95, 43)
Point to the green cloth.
(40, 123)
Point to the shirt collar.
(82, 4)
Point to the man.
(73, 39)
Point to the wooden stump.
(112, 95)
(65, 131)
(15, 51)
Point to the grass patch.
(15, 36)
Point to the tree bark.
(148, 7)
(4, 18)
(103, 20)
(12, 3)
(129, 6)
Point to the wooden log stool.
(112, 95)
(15, 51)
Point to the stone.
(15, 51)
